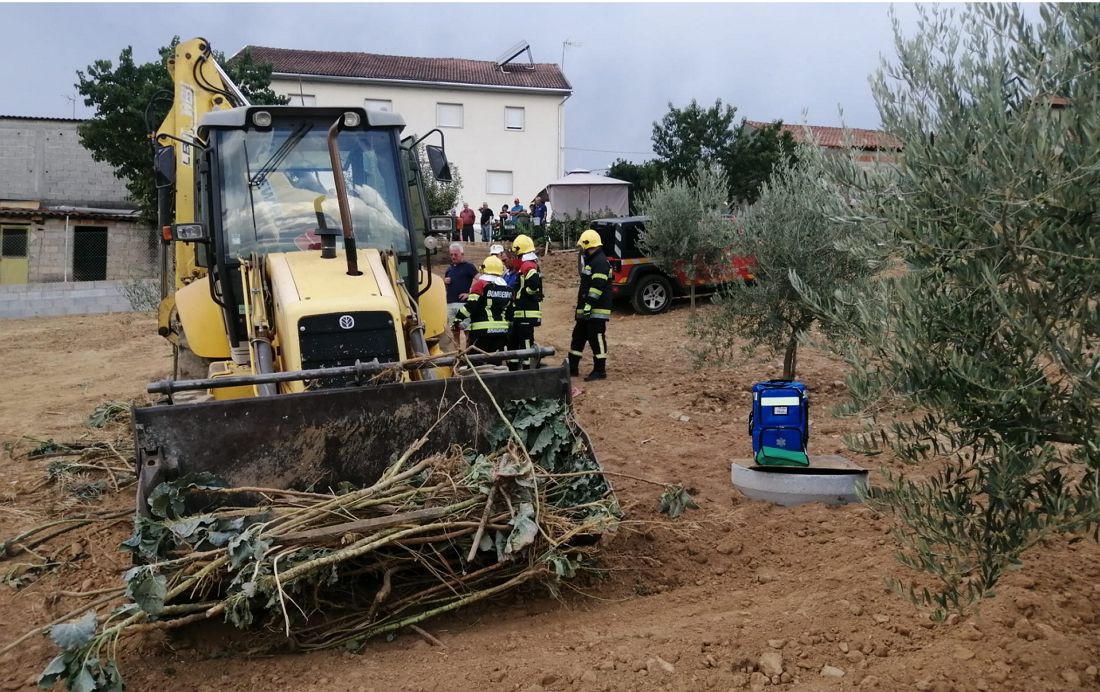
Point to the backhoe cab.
(305, 228)
(303, 308)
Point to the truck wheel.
(652, 294)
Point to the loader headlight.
(441, 224)
(431, 243)
(351, 119)
(189, 232)
(261, 119)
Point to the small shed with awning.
(581, 194)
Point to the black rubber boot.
(596, 375)
(574, 365)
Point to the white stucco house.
(503, 122)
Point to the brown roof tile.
(397, 67)
(833, 137)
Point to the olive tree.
(792, 232)
(980, 347)
(686, 231)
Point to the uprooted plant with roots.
(318, 570)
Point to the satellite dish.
(514, 52)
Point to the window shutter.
(378, 105)
(498, 182)
(448, 114)
(514, 118)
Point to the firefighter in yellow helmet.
(527, 300)
(487, 306)
(593, 307)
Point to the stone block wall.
(131, 250)
(80, 298)
(44, 166)
(42, 159)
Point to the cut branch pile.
(326, 570)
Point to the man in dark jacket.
(458, 278)
(527, 304)
(486, 222)
(593, 307)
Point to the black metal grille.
(90, 253)
(341, 338)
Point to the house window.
(498, 182)
(301, 100)
(448, 114)
(378, 105)
(90, 253)
(13, 241)
(514, 118)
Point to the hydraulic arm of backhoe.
(200, 87)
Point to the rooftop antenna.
(72, 100)
(570, 44)
(513, 53)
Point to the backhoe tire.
(652, 294)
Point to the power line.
(611, 151)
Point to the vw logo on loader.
(347, 321)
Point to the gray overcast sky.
(769, 60)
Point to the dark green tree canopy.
(690, 135)
(755, 154)
(747, 154)
(643, 177)
(131, 99)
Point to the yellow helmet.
(492, 265)
(590, 239)
(523, 244)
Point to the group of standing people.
(501, 305)
(467, 220)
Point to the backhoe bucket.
(318, 439)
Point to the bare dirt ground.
(687, 604)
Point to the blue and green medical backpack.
(780, 423)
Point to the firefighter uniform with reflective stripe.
(593, 311)
(487, 306)
(526, 309)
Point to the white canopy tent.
(581, 194)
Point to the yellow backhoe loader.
(296, 275)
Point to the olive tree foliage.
(687, 231)
(980, 348)
(794, 232)
(131, 99)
